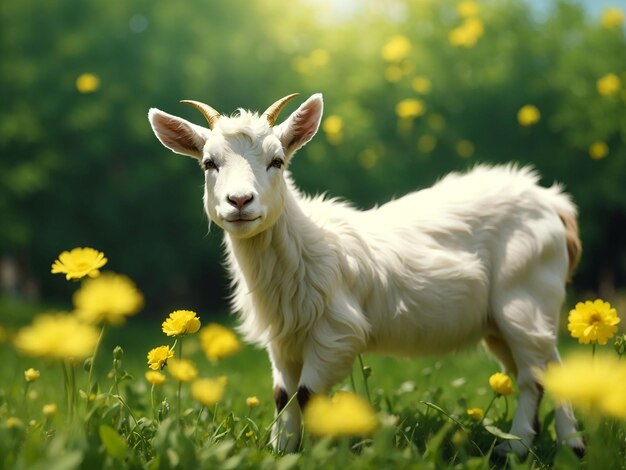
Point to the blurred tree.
(413, 89)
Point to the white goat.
(482, 255)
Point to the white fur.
(480, 255)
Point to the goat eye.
(210, 165)
(276, 163)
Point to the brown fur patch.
(574, 245)
(304, 395)
(280, 398)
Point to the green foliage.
(84, 168)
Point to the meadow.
(429, 412)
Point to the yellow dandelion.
(79, 262)
(593, 322)
(13, 423)
(612, 17)
(609, 84)
(109, 298)
(501, 383)
(57, 336)
(31, 375)
(218, 342)
(468, 33)
(345, 414)
(596, 385)
(252, 402)
(49, 410)
(598, 150)
(393, 73)
(465, 148)
(467, 8)
(528, 115)
(158, 357)
(207, 392)
(410, 108)
(476, 413)
(155, 377)
(333, 128)
(182, 370)
(421, 84)
(87, 83)
(396, 49)
(181, 322)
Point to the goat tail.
(572, 238)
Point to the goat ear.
(302, 125)
(176, 134)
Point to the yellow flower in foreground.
(155, 377)
(593, 322)
(57, 336)
(528, 115)
(49, 410)
(410, 108)
(182, 370)
(345, 414)
(109, 298)
(598, 150)
(252, 402)
(476, 413)
(87, 83)
(501, 383)
(594, 384)
(158, 357)
(218, 341)
(78, 263)
(207, 391)
(181, 322)
(397, 49)
(608, 84)
(31, 375)
(612, 17)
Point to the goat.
(481, 255)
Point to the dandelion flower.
(467, 8)
(109, 298)
(528, 115)
(155, 377)
(158, 357)
(252, 402)
(468, 33)
(501, 383)
(57, 336)
(421, 84)
(410, 108)
(612, 17)
(218, 342)
(181, 322)
(593, 384)
(207, 391)
(593, 322)
(49, 410)
(31, 375)
(182, 370)
(598, 150)
(608, 84)
(396, 49)
(345, 414)
(333, 128)
(13, 423)
(79, 262)
(87, 83)
(476, 413)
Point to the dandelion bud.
(164, 410)
(50, 410)
(620, 345)
(367, 371)
(31, 375)
(118, 353)
(252, 402)
(87, 364)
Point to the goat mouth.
(242, 220)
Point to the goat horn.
(209, 113)
(272, 112)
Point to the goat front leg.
(287, 430)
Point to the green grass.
(422, 403)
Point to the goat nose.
(240, 201)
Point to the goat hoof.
(502, 451)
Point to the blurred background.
(413, 89)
